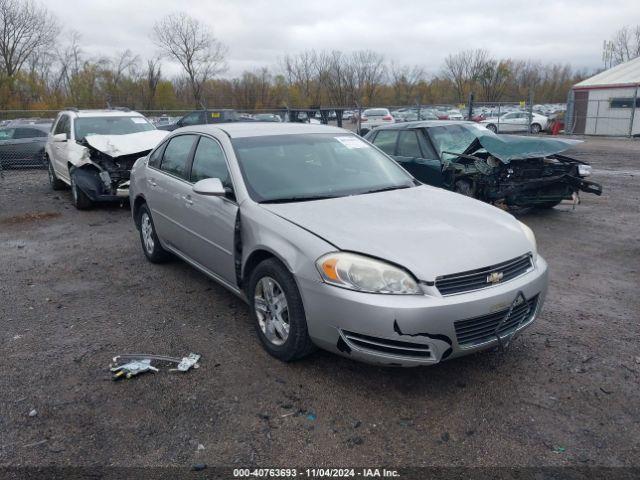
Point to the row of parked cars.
(384, 249)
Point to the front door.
(210, 221)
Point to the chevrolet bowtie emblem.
(495, 277)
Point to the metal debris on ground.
(141, 362)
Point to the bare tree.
(153, 74)
(623, 46)
(191, 44)
(25, 28)
(404, 80)
(464, 69)
(366, 74)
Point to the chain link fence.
(23, 133)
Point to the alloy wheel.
(272, 310)
(147, 233)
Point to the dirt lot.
(76, 290)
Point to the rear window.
(376, 112)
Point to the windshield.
(375, 112)
(307, 166)
(110, 126)
(454, 138)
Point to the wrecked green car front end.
(515, 171)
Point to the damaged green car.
(467, 158)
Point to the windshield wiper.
(299, 198)
(386, 189)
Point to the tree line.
(45, 68)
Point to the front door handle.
(187, 199)
(152, 182)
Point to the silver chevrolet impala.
(333, 244)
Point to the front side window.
(176, 155)
(63, 126)
(85, 126)
(386, 141)
(194, 118)
(298, 167)
(408, 144)
(209, 162)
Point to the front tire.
(149, 238)
(278, 312)
(54, 181)
(536, 128)
(492, 127)
(80, 199)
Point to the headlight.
(584, 170)
(364, 274)
(532, 239)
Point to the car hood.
(119, 145)
(427, 230)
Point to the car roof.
(255, 129)
(423, 124)
(103, 113)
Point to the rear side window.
(209, 162)
(386, 141)
(176, 155)
(156, 156)
(408, 144)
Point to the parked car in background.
(501, 169)
(516, 122)
(374, 117)
(333, 245)
(203, 117)
(22, 145)
(267, 117)
(92, 151)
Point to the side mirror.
(211, 187)
(60, 137)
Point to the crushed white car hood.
(119, 145)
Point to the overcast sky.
(259, 32)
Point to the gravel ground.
(76, 290)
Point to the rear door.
(169, 190)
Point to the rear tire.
(80, 199)
(283, 334)
(54, 181)
(149, 238)
(536, 128)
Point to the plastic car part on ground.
(141, 363)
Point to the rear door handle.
(152, 182)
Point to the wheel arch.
(135, 207)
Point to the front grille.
(477, 279)
(482, 329)
(387, 347)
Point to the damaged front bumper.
(99, 187)
(412, 330)
(543, 190)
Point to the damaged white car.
(92, 151)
